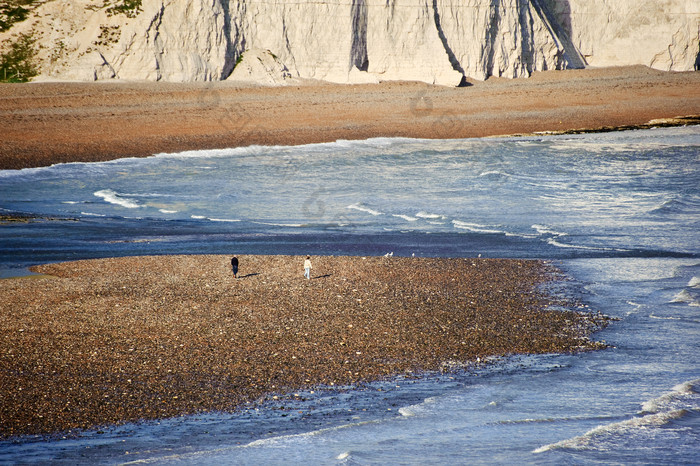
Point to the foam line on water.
(363, 208)
(597, 438)
(226, 452)
(546, 230)
(476, 228)
(656, 413)
(285, 225)
(430, 216)
(408, 218)
(685, 297)
(113, 197)
(682, 396)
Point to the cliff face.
(435, 41)
(662, 34)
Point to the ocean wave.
(362, 208)
(222, 219)
(603, 438)
(66, 168)
(156, 195)
(685, 396)
(429, 216)
(116, 198)
(408, 218)
(286, 225)
(656, 413)
(476, 228)
(227, 453)
(494, 174)
(554, 242)
(545, 230)
(652, 316)
(672, 206)
(685, 297)
(427, 406)
(694, 282)
(547, 420)
(255, 149)
(213, 153)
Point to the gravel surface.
(100, 342)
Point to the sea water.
(619, 213)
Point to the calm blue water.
(618, 212)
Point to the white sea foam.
(92, 214)
(413, 410)
(476, 227)
(545, 230)
(652, 316)
(494, 173)
(682, 396)
(226, 453)
(198, 217)
(694, 282)
(222, 219)
(300, 149)
(600, 438)
(685, 297)
(363, 208)
(655, 413)
(428, 215)
(289, 225)
(408, 218)
(556, 243)
(520, 235)
(166, 211)
(113, 197)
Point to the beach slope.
(46, 123)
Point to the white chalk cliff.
(351, 41)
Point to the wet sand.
(46, 123)
(101, 342)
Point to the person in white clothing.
(307, 267)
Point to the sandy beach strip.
(46, 123)
(101, 342)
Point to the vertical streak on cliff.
(153, 33)
(441, 33)
(491, 38)
(697, 57)
(527, 44)
(572, 55)
(358, 50)
(287, 46)
(230, 56)
(235, 12)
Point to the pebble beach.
(101, 342)
(45, 123)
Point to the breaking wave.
(682, 401)
(116, 198)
